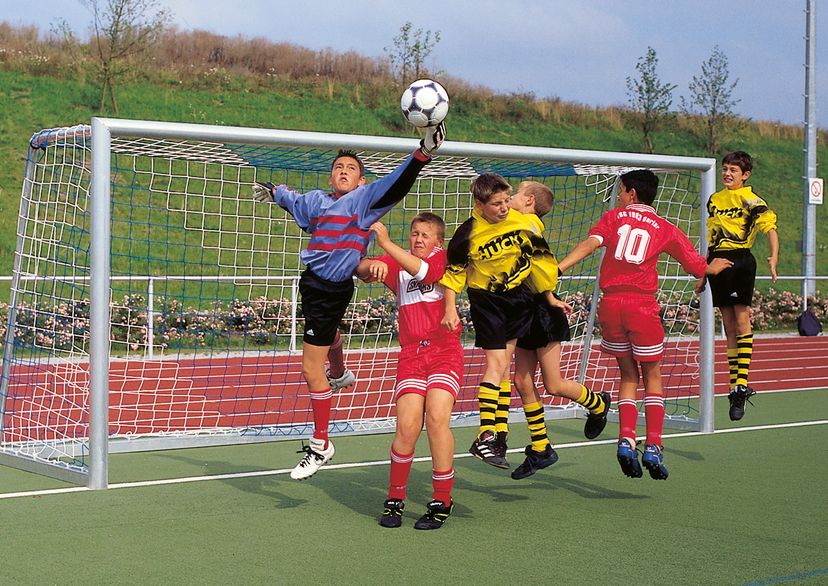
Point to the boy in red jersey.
(430, 363)
(635, 236)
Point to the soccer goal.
(154, 304)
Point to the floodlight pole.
(809, 209)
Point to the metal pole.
(809, 209)
(707, 323)
(99, 294)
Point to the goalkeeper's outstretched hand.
(433, 138)
(263, 191)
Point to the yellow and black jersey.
(734, 217)
(499, 257)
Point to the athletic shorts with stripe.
(430, 365)
(734, 285)
(631, 323)
(323, 306)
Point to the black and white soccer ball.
(425, 103)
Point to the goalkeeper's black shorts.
(323, 306)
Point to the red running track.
(49, 401)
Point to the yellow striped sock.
(590, 400)
(487, 394)
(537, 426)
(744, 345)
(504, 398)
(733, 365)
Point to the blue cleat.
(653, 460)
(628, 459)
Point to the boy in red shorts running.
(430, 363)
(635, 236)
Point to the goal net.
(198, 337)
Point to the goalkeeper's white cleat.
(316, 454)
(342, 382)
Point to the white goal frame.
(103, 130)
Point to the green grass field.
(745, 505)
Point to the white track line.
(73, 489)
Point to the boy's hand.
(263, 191)
(381, 233)
(553, 301)
(772, 264)
(450, 320)
(433, 138)
(378, 270)
(700, 285)
(717, 265)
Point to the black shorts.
(323, 306)
(499, 317)
(549, 324)
(733, 286)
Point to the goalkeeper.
(338, 223)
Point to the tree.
(711, 97)
(410, 50)
(649, 96)
(123, 29)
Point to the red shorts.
(631, 323)
(430, 365)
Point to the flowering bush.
(263, 321)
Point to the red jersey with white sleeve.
(635, 236)
(420, 300)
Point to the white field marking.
(73, 489)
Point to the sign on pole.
(815, 186)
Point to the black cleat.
(487, 449)
(392, 515)
(628, 459)
(596, 422)
(737, 397)
(535, 461)
(436, 514)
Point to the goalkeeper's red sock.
(400, 470)
(321, 407)
(442, 483)
(654, 413)
(627, 418)
(336, 358)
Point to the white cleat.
(316, 454)
(346, 380)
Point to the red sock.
(442, 483)
(654, 412)
(336, 359)
(321, 407)
(400, 469)
(627, 418)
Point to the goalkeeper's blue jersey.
(338, 226)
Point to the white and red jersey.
(420, 299)
(635, 236)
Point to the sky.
(576, 50)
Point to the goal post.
(154, 304)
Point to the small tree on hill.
(649, 96)
(711, 97)
(410, 50)
(122, 29)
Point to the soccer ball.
(425, 103)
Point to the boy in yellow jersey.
(496, 253)
(735, 215)
(542, 345)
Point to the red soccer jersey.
(420, 300)
(635, 236)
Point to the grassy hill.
(31, 102)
